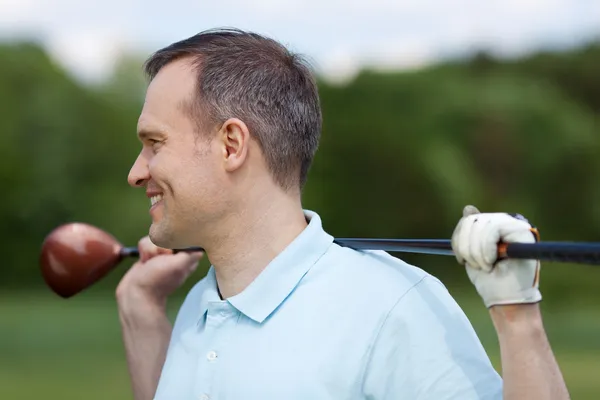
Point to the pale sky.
(339, 36)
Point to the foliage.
(401, 153)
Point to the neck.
(251, 239)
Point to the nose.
(139, 173)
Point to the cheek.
(208, 185)
(197, 180)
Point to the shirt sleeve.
(428, 350)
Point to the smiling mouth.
(155, 199)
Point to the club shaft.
(134, 252)
(568, 252)
(425, 246)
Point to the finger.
(491, 236)
(464, 244)
(192, 255)
(187, 257)
(455, 239)
(477, 239)
(459, 233)
(187, 262)
(517, 231)
(196, 256)
(470, 246)
(148, 249)
(470, 210)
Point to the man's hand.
(142, 296)
(509, 288)
(475, 244)
(157, 274)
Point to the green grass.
(71, 349)
(573, 331)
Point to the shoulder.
(371, 274)
(399, 292)
(380, 287)
(424, 345)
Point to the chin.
(164, 236)
(160, 237)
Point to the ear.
(235, 138)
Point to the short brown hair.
(256, 79)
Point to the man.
(229, 128)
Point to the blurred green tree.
(401, 153)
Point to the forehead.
(166, 96)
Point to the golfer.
(229, 128)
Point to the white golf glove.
(475, 244)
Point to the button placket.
(211, 356)
(218, 320)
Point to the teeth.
(155, 199)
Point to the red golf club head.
(76, 255)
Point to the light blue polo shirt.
(327, 322)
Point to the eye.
(153, 142)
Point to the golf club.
(76, 255)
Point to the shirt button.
(204, 397)
(211, 356)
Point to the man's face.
(177, 165)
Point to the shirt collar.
(210, 293)
(280, 277)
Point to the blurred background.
(428, 106)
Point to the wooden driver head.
(76, 255)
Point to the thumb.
(196, 257)
(470, 210)
(194, 266)
(184, 260)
